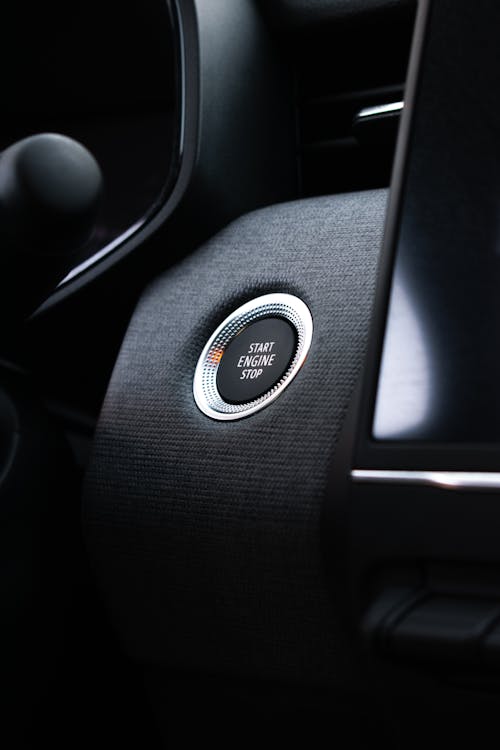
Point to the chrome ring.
(206, 394)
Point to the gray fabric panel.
(205, 535)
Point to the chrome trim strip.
(380, 110)
(182, 70)
(449, 480)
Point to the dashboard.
(255, 409)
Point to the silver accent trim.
(449, 480)
(205, 391)
(380, 110)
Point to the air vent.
(341, 151)
(342, 71)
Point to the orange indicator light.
(215, 356)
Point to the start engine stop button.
(255, 360)
(252, 356)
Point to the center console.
(421, 473)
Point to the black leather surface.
(204, 535)
(306, 12)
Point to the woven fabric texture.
(205, 535)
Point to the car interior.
(249, 412)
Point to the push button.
(256, 360)
(252, 356)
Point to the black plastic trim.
(222, 152)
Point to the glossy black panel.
(440, 369)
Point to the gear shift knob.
(50, 187)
